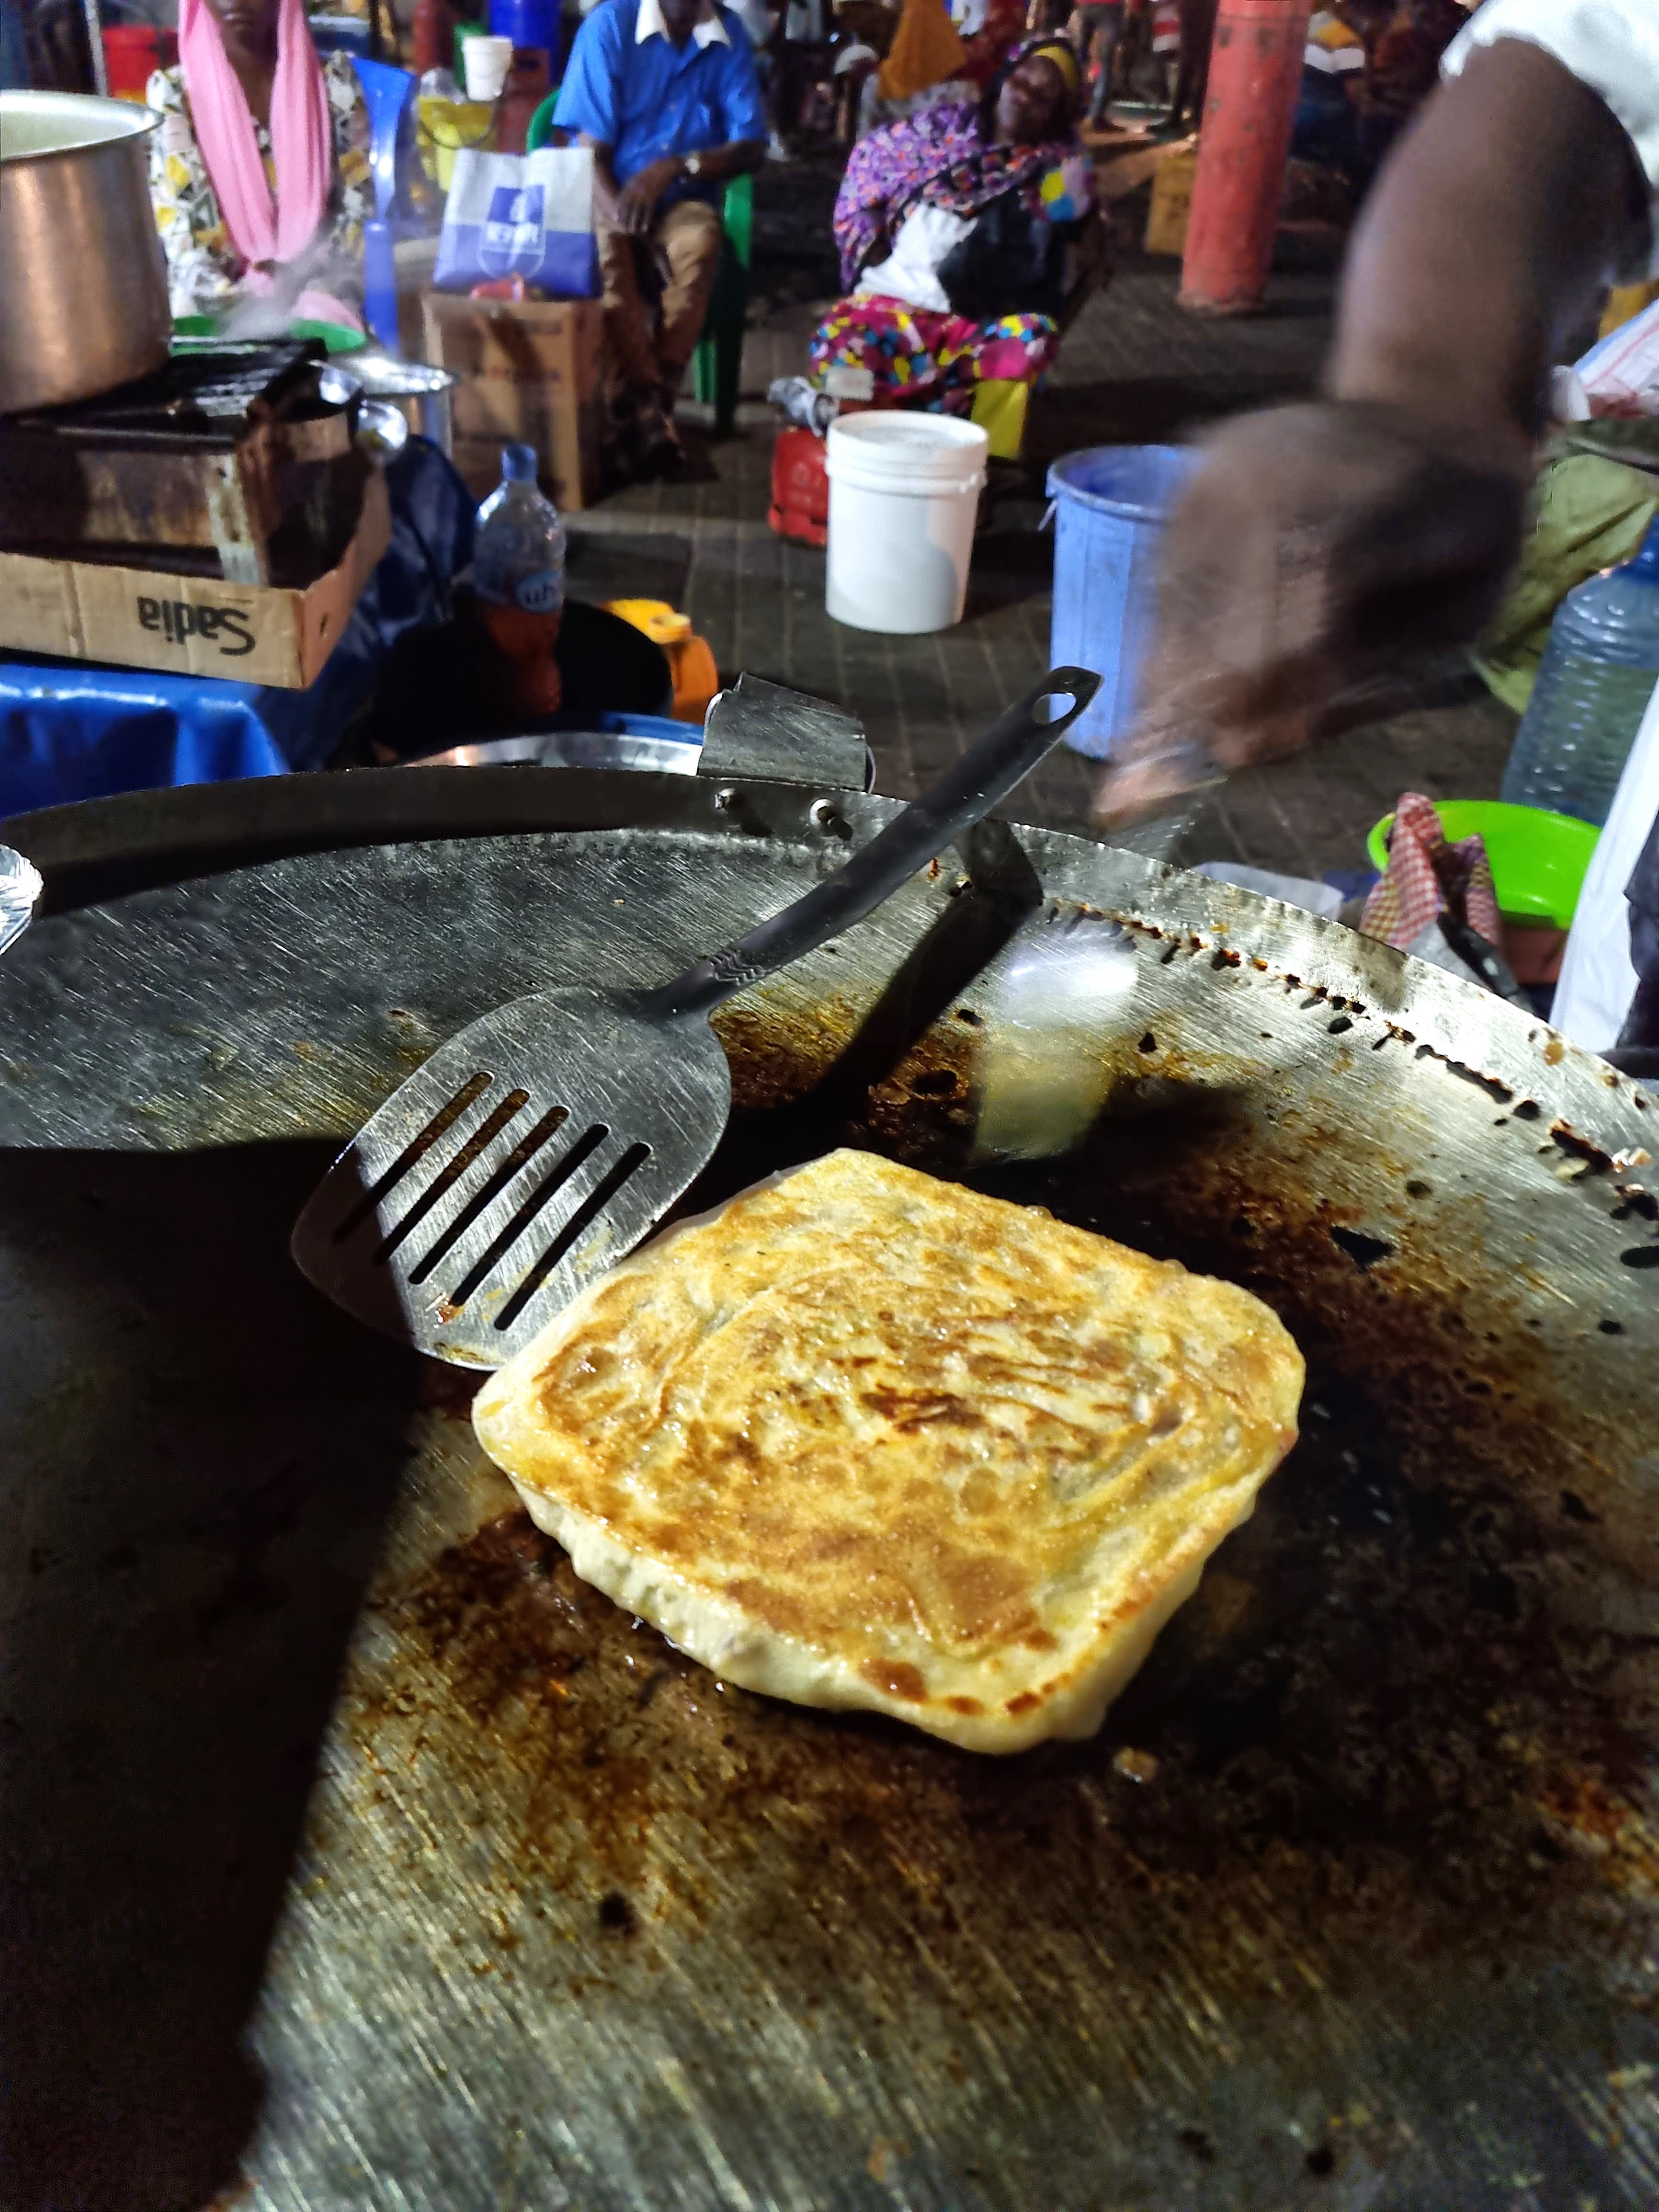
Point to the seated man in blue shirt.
(665, 93)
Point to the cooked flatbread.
(866, 1438)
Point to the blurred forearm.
(1486, 239)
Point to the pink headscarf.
(302, 136)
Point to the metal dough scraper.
(535, 1149)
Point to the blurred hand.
(636, 201)
(1317, 546)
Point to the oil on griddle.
(1363, 1766)
(1352, 1900)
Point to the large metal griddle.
(1351, 1903)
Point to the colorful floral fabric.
(204, 267)
(920, 359)
(942, 155)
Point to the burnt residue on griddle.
(1366, 1697)
(1580, 1148)
(516, 1586)
(1404, 1713)
(1363, 1249)
(1368, 1707)
(513, 1631)
(1489, 1083)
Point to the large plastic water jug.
(1594, 684)
(1111, 505)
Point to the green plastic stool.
(540, 133)
(717, 364)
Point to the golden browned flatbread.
(867, 1438)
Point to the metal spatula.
(536, 1148)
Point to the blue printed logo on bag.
(521, 215)
(511, 240)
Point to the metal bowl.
(383, 377)
(338, 386)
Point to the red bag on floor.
(800, 487)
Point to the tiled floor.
(1134, 368)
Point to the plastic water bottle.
(518, 575)
(1598, 673)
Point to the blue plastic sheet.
(69, 730)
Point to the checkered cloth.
(1426, 876)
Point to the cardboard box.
(529, 375)
(1172, 202)
(191, 625)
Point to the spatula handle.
(963, 795)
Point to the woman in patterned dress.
(912, 191)
(253, 65)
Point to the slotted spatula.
(537, 1147)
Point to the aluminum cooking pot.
(83, 306)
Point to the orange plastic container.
(690, 660)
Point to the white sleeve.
(1598, 981)
(1611, 45)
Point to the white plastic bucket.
(904, 499)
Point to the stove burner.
(235, 461)
(190, 392)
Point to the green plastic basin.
(197, 333)
(1538, 859)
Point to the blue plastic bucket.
(1110, 504)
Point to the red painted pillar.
(1255, 68)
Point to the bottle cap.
(519, 464)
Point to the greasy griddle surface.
(1363, 1778)
(1376, 1715)
(1352, 1901)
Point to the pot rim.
(141, 122)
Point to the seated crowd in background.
(1368, 67)
(954, 224)
(932, 52)
(953, 227)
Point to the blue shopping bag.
(521, 215)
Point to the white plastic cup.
(486, 61)
(904, 500)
